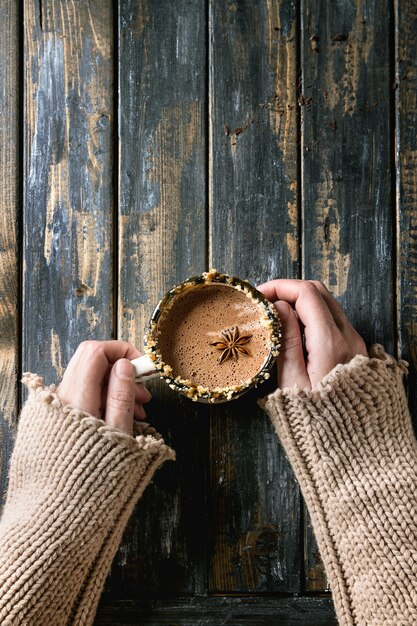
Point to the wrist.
(359, 405)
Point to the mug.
(150, 365)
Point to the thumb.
(291, 365)
(120, 401)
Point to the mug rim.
(218, 394)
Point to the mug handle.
(144, 369)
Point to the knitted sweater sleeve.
(352, 448)
(73, 484)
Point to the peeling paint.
(8, 267)
(332, 93)
(169, 525)
(130, 326)
(411, 329)
(282, 58)
(48, 131)
(102, 43)
(332, 265)
(407, 234)
(291, 242)
(292, 212)
(282, 107)
(408, 200)
(58, 195)
(140, 21)
(93, 318)
(10, 203)
(56, 354)
(171, 147)
(241, 47)
(89, 252)
(122, 554)
(8, 371)
(359, 44)
(355, 49)
(69, 181)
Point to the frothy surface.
(197, 317)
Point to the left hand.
(99, 380)
(330, 339)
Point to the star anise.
(231, 344)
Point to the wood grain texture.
(315, 575)
(226, 157)
(216, 611)
(68, 190)
(406, 188)
(9, 235)
(254, 505)
(162, 235)
(253, 131)
(346, 183)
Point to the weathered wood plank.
(249, 520)
(346, 175)
(162, 146)
(10, 214)
(215, 611)
(68, 189)
(253, 233)
(315, 575)
(406, 170)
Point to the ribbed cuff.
(73, 483)
(352, 447)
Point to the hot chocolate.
(214, 336)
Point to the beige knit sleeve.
(351, 445)
(73, 483)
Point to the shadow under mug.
(150, 365)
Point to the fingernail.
(124, 368)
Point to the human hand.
(99, 380)
(329, 337)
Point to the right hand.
(100, 380)
(329, 337)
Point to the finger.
(143, 428)
(337, 311)
(270, 289)
(142, 393)
(291, 365)
(356, 342)
(104, 386)
(121, 397)
(139, 411)
(92, 358)
(115, 349)
(309, 303)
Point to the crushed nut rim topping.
(232, 345)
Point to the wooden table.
(145, 142)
